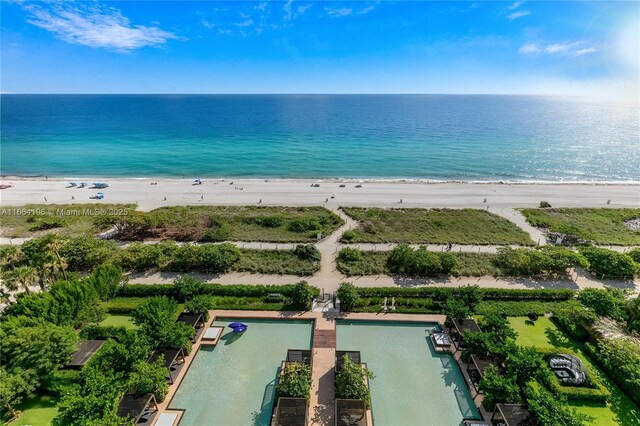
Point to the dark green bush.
(349, 254)
(635, 254)
(307, 252)
(218, 230)
(305, 225)
(295, 381)
(548, 260)
(609, 302)
(348, 295)
(620, 359)
(607, 263)
(187, 287)
(404, 260)
(85, 253)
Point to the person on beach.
(45, 199)
(449, 246)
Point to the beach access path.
(502, 199)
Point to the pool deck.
(321, 404)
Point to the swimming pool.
(414, 385)
(233, 383)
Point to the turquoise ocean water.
(431, 137)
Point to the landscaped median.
(595, 225)
(85, 253)
(437, 226)
(183, 223)
(539, 262)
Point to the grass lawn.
(237, 223)
(373, 263)
(65, 219)
(438, 226)
(37, 410)
(544, 334)
(602, 226)
(119, 321)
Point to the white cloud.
(287, 10)
(586, 51)
(515, 5)
(518, 14)
(303, 9)
(262, 6)
(576, 48)
(367, 9)
(245, 23)
(95, 25)
(529, 48)
(339, 12)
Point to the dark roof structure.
(291, 412)
(170, 356)
(299, 355)
(478, 364)
(350, 412)
(464, 325)
(192, 319)
(85, 349)
(135, 407)
(512, 415)
(352, 355)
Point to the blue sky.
(573, 47)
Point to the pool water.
(414, 385)
(233, 383)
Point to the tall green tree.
(21, 278)
(44, 348)
(14, 386)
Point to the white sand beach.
(291, 192)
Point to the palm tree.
(22, 277)
(55, 246)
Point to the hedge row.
(237, 290)
(443, 293)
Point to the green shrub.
(544, 204)
(218, 230)
(620, 359)
(271, 221)
(351, 382)
(295, 381)
(44, 223)
(306, 224)
(200, 305)
(574, 320)
(609, 302)
(404, 260)
(303, 295)
(85, 253)
(497, 387)
(150, 378)
(348, 295)
(307, 252)
(608, 263)
(551, 410)
(186, 287)
(348, 236)
(634, 254)
(349, 255)
(537, 261)
(59, 381)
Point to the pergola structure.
(461, 326)
(350, 412)
(290, 412)
(85, 349)
(140, 408)
(512, 415)
(193, 319)
(476, 368)
(173, 360)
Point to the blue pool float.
(238, 327)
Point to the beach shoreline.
(149, 193)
